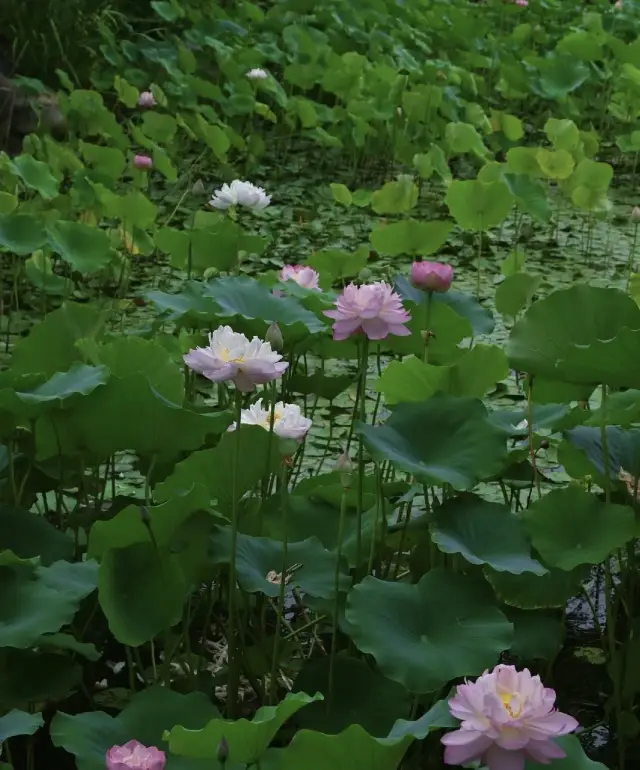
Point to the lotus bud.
(143, 162)
(365, 275)
(274, 337)
(198, 187)
(345, 467)
(432, 276)
(222, 752)
(635, 215)
(544, 444)
(147, 100)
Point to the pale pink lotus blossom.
(507, 717)
(304, 276)
(374, 309)
(618, 6)
(288, 420)
(147, 100)
(432, 276)
(135, 756)
(143, 162)
(523, 3)
(233, 357)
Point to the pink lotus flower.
(507, 717)
(147, 100)
(432, 276)
(523, 3)
(231, 356)
(134, 756)
(374, 309)
(143, 162)
(306, 277)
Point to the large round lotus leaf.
(35, 677)
(481, 319)
(483, 533)
(248, 740)
(213, 468)
(537, 634)
(533, 592)
(40, 600)
(570, 527)
(576, 759)
(478, 205)
(623, 448)
(30, 535)
(141, 590)
(350, 749)
(51, 345)
(312, 566)
(563, 337)
(152, 711)
(360, 696)
(19, 723)
(423, 635)
(445, 440)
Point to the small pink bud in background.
(135, 756)
(432, 276)
(523, 3)
(147, 100)
(618, 6)
(304, 276)
(143, 162)
(635, 215)
(345, 467)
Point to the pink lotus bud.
(432, 276)
(143, 162)
(135, 756)
(147, 100)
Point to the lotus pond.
(319, 410)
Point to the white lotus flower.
(522, 425)
(232, 356)
(288, 420)
(240, 193)
(304, 276)
(257, 74)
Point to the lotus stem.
(273, 685)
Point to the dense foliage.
(290, 553)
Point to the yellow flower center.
(225, 355)
(513, 704)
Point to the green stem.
(632, 253)
(427, 322)
(478, 266)
(364, 361)
(284, 498)
(609, 590)
(336, 589)
(233, 684)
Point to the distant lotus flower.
(240, 194)
(306, 277)
(147, 100)
(257, 74)
(231, 356)
(432, 276)
(135, 756)
(523, 3)
(375, 309)
(288, 420)
(507, 717)
(618, 6)
(143, 162)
